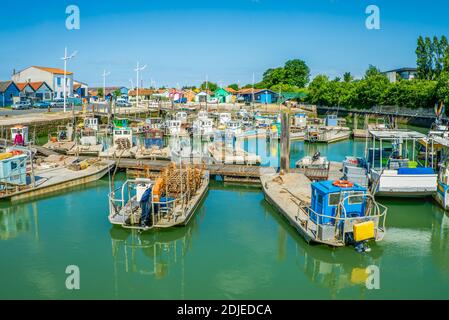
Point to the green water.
(236, 247)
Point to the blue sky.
(183, 41)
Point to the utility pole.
(66, 58)
(138, 69)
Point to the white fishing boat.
(62, 142)
(204, 128)
(170, 200)
(314, 167)
(233, 128)
(122, 142)
(326, 134)
(224, 118)
(88, 144)
(91, 123)
(181, 116)
(391, 169)
(174, 128)
(224, 153)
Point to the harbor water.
(236, 247)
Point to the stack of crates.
(354, 170)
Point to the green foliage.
(209, 85)
(375, 89)
(100, 93)
(347, 77)
(117, 93)
(295, 74)
(432, 57)
(442, 88)
(234, 86)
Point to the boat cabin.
(202, 115)
(331, 120)
(13, 169)
(174, 127)
(327, 197)
(300, 120)
(88, 137)
(224, 118)
(181, 116)
(22, 130)
(91, 123)
(121, 134)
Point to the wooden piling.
(285, 141)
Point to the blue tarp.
(420, 170)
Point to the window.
(13, 165)
(320, 199)
(334, 199)
(356, 198)
(58, 81)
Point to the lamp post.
(138, 69)
(66, 58)
(104, 75)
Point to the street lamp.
(105, 74)
(138, 69)
(66, 58)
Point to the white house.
(52, 76)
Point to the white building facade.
(52, 76)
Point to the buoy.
(343, 184)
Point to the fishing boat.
(224, 118)
(152, 147)
(174, 128)
(224, 153)
(314, 167)
(204, 128)
(23, 177)
(336, 213)
(122, 142)
(233, 129)
(170, 200)
(181, 116)
(392, 171)
(91, 123)
(62, 142)
(88, 144)
(326, 134)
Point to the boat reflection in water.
(16, 221)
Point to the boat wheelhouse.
(174, 128)
(393, 171)
(22, 131)
(224, 118)
(181, 116)
(203, 128)
(233, 128)
(91, 123)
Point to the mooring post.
(285, 142)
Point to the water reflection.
(18, 220)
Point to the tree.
(100, 93)
(273, 77)
(347, 77)
(297, 73)
(234, 86)
(117, 93)
(209, 85)
(442, 88)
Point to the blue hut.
(326, 196)
(8, 90)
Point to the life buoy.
(343, 184)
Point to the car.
(41, 104)
(21, 105)
(123, 103)
(57, 103)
